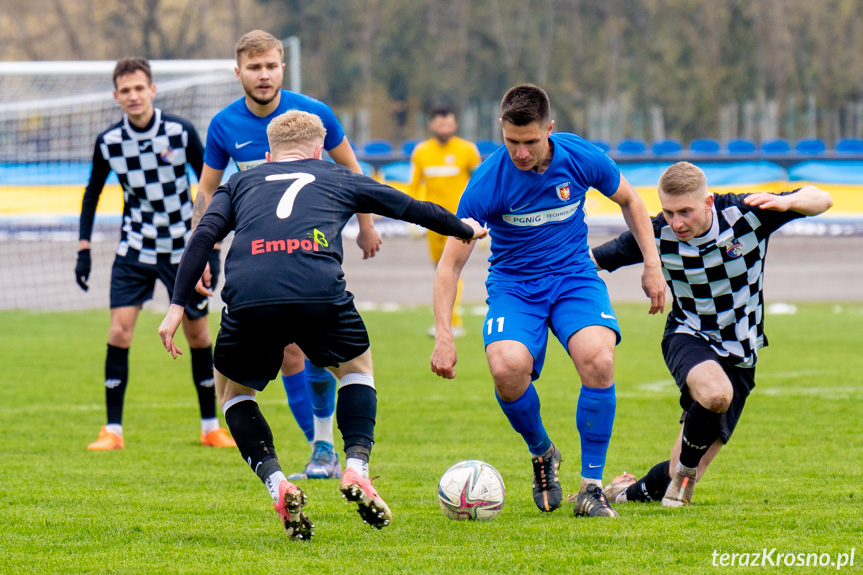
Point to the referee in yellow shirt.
(444, 163)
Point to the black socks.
(116, 378)
(253, 436)
(355, 414)
(202, 374)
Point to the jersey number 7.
(286, 204)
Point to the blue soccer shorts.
(524, 311)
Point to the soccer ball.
(471, 490)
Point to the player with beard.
(239, 132)
(444, 164)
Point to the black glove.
(215, 267)
(82, 269)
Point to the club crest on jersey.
(734, 249)
(563, 191)
(167, 155)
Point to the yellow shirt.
(445, 168)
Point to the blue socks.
(594, 418)
(298, 401)
(321, 390)
(523, 415)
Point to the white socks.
(272, 484)
(324, 429)
(358, 465)
(209, 424)
(115, 428)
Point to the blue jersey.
(536, 221)
(237, 133)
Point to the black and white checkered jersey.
(716, 280)
(151, 167)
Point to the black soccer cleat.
(547, 493)
(592, 503)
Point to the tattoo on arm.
(198, 210)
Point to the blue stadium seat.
(396, 172)
(377, 148)
(704, 146)
(408, 146)
(810, 147)
(631, 146)
(367, 168)
(486, 147)
(740, 147)
(849, 146)
(602, 145)
(775, 146)
(666, 147)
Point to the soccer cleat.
(592, 503)
(217, 438)
(290, 509)
(681, 488)
(323, 464)
(547, 493)
(106, 441)
(618, 485)
(370, 506)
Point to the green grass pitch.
(790, 479)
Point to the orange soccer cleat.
(106, 441)
(217, 438)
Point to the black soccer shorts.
(251, 341)
(682, 352)
(133, 282)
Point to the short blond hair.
(297, 128)
(683, 178)
(257, 42)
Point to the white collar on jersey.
(711, 233)
(149, 134)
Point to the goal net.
(50, 116)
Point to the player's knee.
(597, 369)
(507, 370)
(717, 401)
(120, 335)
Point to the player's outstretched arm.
(808, 200)
(368, 238)
(169, 327)
(638, 221)
(454, 257)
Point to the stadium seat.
(849, 146)
(377, 148)
(704, 146)
(396, 172)
(487, 147)
(367, 168)
(631, 146)
(740, 147)
(810, 147)
(602, 145)
(775, 146)
(408, 146)
(666, 147)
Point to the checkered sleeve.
(98, 176)
(194, 147)
(770, 219)
(623, 250)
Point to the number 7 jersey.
(288, 219)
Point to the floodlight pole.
(293, 45)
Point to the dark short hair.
(130, 66)
(442, 111)
(525, 104)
